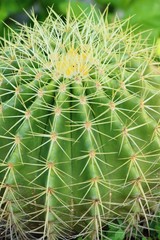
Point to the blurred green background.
(146, 13)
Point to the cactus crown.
(79, 129)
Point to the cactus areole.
(79, 129)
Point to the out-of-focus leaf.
(115, 3)
(52, 3)
(8, 7)
(147, 12)
(147, 15)
(77, 7)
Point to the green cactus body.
(79, 129)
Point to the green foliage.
(10, 7)
(79, 130)
(77, 7)
(146, 13)
(116, 3)
(15, 9)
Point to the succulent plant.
(79, 129)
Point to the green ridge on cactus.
(79, 129)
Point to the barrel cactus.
(79, 129)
